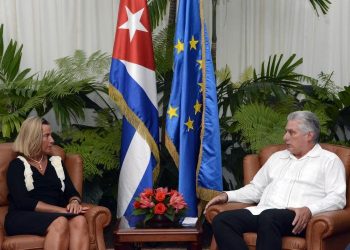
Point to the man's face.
(297, 141)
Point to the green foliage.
(99, 148)
(64, 90)
(164, 61)
(344, 96)
(162, 55)
(320, 4)
(255, 108)
(276, 88)
(157, 9)
(330, 104)
(11, 95)
(79, 66)
(10, 60)
(277, 82)
(260, 125)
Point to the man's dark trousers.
(270, 225)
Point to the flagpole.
(201, 203)
(204, 84)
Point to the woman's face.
(47, 139)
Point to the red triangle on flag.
(133, 38)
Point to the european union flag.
(192, 125)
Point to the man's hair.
(309, 122)
(29, 139)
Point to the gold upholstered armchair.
(325, 231)
(97, 217)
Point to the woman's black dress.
(22, 217)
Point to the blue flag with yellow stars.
(192, 124)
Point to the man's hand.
(301, 219)
(219, 199)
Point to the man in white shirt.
(291, 187)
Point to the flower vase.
(161, 221)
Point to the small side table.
(125, 236)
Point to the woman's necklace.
(38, 162)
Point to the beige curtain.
(51, 29)
(248, 32)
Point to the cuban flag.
(133, 88)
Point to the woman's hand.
(75, 207)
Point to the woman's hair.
(29, 139)
(309, 122)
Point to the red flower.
(146, 202)
(137, 204)
(160, 201)
(148, 192)
(177, 201)
(173, 191)
(161, 194)
(160, 208)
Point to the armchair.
(325, 231)
(97, 217)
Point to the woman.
(42, 198)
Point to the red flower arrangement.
(159, 201)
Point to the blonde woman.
(42, 198)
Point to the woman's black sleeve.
(18, 193)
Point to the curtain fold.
(53, 29)
(248, 32)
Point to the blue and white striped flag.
(133, 88)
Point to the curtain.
(51, 29)
(248, 32)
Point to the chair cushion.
(20, 242)
(288, 242)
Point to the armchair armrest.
(2, 236)
(326, 224)
(98, 218)
(251, 165)
(3, 212)
(215, 209)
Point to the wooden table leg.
(196, 246)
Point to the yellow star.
(193, 43)
(197, 107)
(172, 112)
(189, 124)
(200, 62)
(179, 46)
(202, 86)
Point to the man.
(291, 187)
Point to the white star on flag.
(133, 22)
